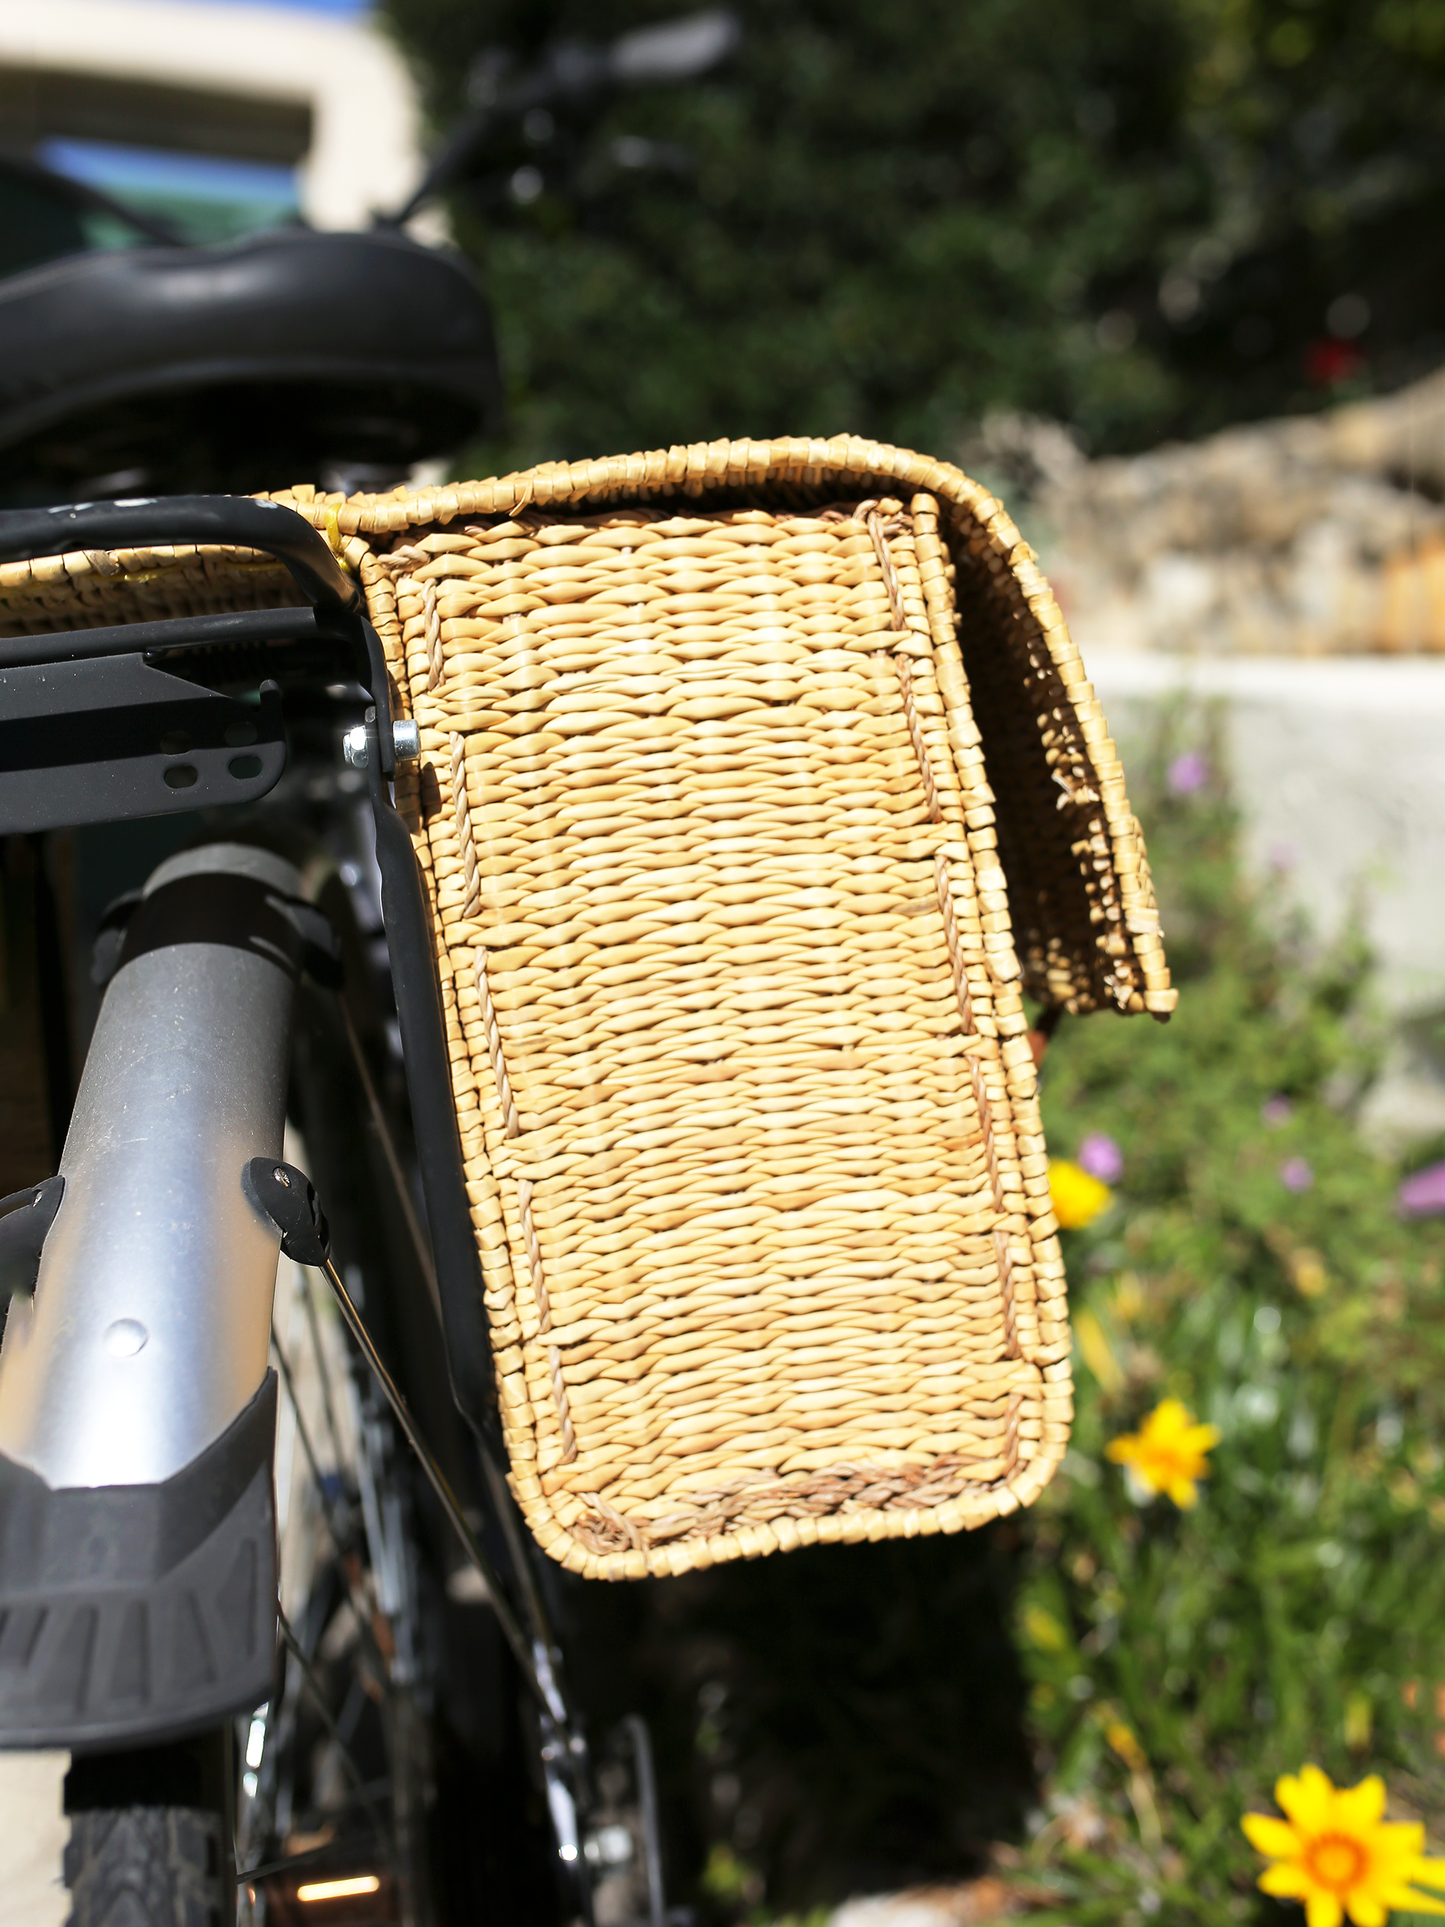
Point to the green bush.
(1181, 1660)
(1134, 215)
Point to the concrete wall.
(1338, 764)
(1294, 572)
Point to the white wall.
(1338, 764)
(365, 152)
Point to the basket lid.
(1081, 901)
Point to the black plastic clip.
(25, 1218)
(110, 937)
(288, 1198)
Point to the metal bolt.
(405, 740)
(281, 1178)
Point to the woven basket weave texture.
(738, 791)
(758, 783)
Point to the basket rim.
(690, 473)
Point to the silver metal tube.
(149, 1328)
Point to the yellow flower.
(1044, 1631)
(1078, 1198)
(1167, 1455)
(1338, 1856)
(1126, 1745)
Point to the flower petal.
(1391, 1862)
(1323, 1910)
(1122, 1450)
(1358, 1807)
(1200, 1438)
(1277, 1838)
(1428, 1873)
(1306, 1797)
(1398, 1845)
(1184, 1493)
(1409, 1902)
(1287, 1880)
(1365, 1911)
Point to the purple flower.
(1101, 1157)
(1276, 1112)
(1188, 773)
(1296, 1175)
(1423, 1193)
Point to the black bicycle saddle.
(165, 369)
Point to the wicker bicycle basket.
(759, 784)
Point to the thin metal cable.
(393, 1162)
(501, 1497)
(501, 1606)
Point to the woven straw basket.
(759, 783)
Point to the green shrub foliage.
(1181, 1661)
(1139, 216)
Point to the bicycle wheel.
(150, 1836)
(333, 1794)
(322, 1793)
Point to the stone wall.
(1318, 535)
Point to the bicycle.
(136, 1518)
(142, 363)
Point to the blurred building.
(225, 117)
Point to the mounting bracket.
(109, 737)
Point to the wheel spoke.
(340, 1533)
(348, 1760)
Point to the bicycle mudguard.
(137, 1414)
(134, 1612)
